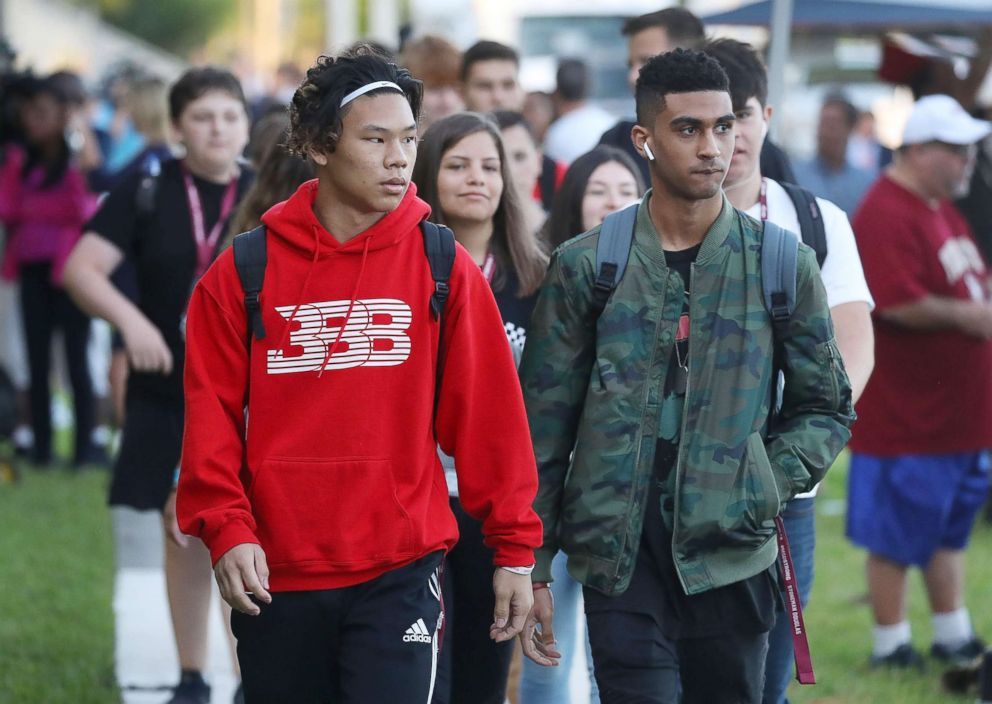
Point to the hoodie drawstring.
(351, 306)
(303, 291)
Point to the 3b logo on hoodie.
(373, 335)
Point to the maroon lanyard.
(794, 608)
(489, 267)
(206, 243)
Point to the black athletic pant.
(372, 642)
(636, 664)
(43, 308)
(473, 669)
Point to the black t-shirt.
(514, 310)
(775, 164)
(742, 607)
(160, 246)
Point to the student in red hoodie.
(324, 506)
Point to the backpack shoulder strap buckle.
(616, 235)
(439, 246)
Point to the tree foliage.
(178, 26)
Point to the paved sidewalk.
(145, 652)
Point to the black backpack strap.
(250, 259)
(612, 251)
(439, 246)
(811, 226)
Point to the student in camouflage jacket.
(605, 404)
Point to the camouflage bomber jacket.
(596, 386)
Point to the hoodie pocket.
(344, 512)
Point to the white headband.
(367, 89)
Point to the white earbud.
(647, 150)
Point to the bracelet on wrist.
(540, 585)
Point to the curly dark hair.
(315, 112)
(744, 68)
(678, 71)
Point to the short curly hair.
(315, 112)
(678, 71)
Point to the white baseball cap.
(940, 118)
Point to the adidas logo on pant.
(418, 633)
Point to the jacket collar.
(647, 239)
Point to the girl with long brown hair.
(462, 173)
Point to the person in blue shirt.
(829, 174)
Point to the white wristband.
(519, 570)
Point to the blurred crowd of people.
(115, 201)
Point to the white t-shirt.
(842, 275)
(576, 132)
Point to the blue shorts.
(906, 508)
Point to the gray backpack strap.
(250, 259)
(612, 251)
(779, 256)
(779, 261)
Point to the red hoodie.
(342, 480)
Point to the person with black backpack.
(167, 223)
(329, 353)
(824, 227)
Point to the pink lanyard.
(489, 267)
(206, 243)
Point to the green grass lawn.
(839, 618)
(56, 622)
(56, 581)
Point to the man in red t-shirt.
(919, 470)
